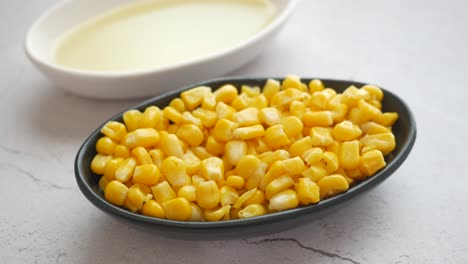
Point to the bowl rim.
(280, 18)
(365, 185)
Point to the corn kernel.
(346, 131)
(192, 163)
(277, 185)
(293, 81)
(175, 171)
(99, 163)
(138, 195)
(197, 213)
(356, 116)
(177, 209)
(312, 155)
(114, 130)
(173, 115)
(224, 130)
(142, 156)
(371, 162)
(247, 117)
(241, 102)
(317, 118)
(224, 111)
(214, 147)
(315, 172)
(250, 132)
(285, 97)
(125, 170)
(144, 137)
(111, 167)
(171, 146)
(212, 169)
(201, 152)
(190, 134)
(249, 166)
(372, 128)
(235, 181)
(178, 105)
(151, 117)
(316, 86)
(105, 146)
(196, 179)
(352, 95)
(208, 118)
(284, 200)
(319, 100)
(297, 108)
(208, 195)
(252, 210)
(209, 102)
(386, 119)
(153, 209)
(116, 193)
(331, 160)
(121, 151)
(332, 185)
(190, 119)
(339, 113)
(307, 191)
(103, 183)
(334, 147)
(148, 174)
(132, 119)
(271, 88)
(374, 92)
(157, 155)
(300, 146)
(244, 197)
(349, 154)
(188, 192)
(235, 150)
(321, 136)
(258, 197)
(293, 166)
(216, 214)
(194, 97)
(355, 174)
(292, 126)
(384, 142)
(271, 157)
(226, 93)
(228, 195)
(276, 137)
(163, 192)
(276, 170)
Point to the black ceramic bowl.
(405, 134)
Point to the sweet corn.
(316, 86)
(224, 130)
(258, 197)
(292, 126)
(125, 170)
(209, 102)
(153, 209)
(208, 195)
(196, 179)
(177, 209)
(346, 131)
(151, 117)
(252, 210)
(214, 147)
(192, 163)
(312, 156)
(260, 145)
(111, 168)
(331, 160)
(297, 108)
(293, 81)
(367, 110)
(285, 97)
(178, 105)
(339, 113)
(321, 136)
(190, 119)
(143, 137)
(190, 134)
(317, 118)
(197, 213)
(315, 172)
(142, 156)
(276, 170)
(371, 162)
(228, 195)
(173, 115)
(163, 192)
(226, 93)
(349, 154)
(334, 147)
(356, 116)
(208, 118)
(114, 130)
(284, 200)
(244, 197)
(157, 155)
(277, 185)
(271, 88)
(121, 151)
(307, 191)
(384, 142)
(355, 174)
(352, 95)
(235, 150)
(386, 119)
(275, 136)
(212, 169)
(319, 100)
(201, 152)
(105, 146)
(132, 119)
(188, 192)
(194, 97)
(224, 111)
(171, 146)
(103, 183)
(217, 214)
(271, 157)
(374, 92)
(247, 117)
(250, 132)
(300, 146)
(293, 166)
(148, 174)
(138, 195)
(98, 164)
(116, 193)
(235, 181)
(240, 102)
(331, 185)
(175, 171)
(372, 128)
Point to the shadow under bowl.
(405, 134)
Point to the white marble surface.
(415, 48)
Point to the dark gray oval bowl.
(405, 134)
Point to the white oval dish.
(67, 14)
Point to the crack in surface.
(298, 243)
(34, 178)
(18, 152)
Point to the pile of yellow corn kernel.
(220, 155)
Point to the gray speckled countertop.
(418, 49)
